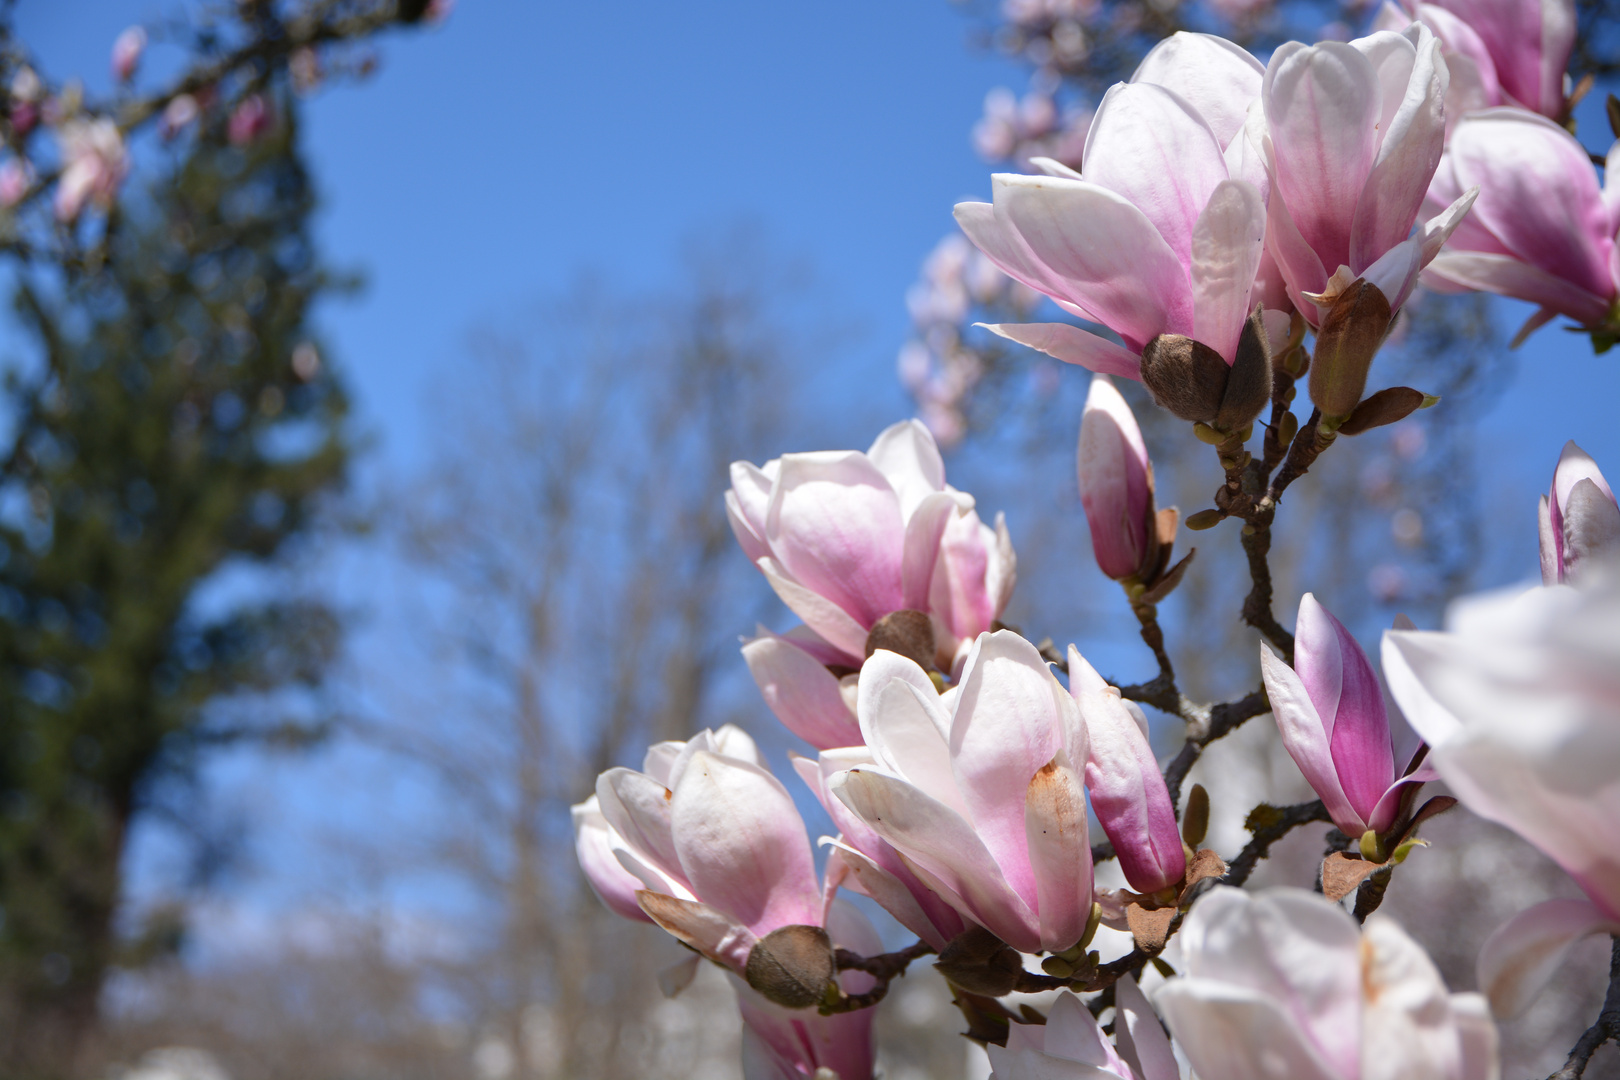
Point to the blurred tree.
(180, 423)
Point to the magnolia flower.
(1330, 711)
(846, 538)
(1283, 985)
(979, 788)
(707, 844)
(1542, 229)
(249, 120)
(1122, 776)
(868, 864)
(1351, 135)
(1156, 236)
(94, 163)
(178, 114)
(1520, 700)
(27, 93)
(1498, 54)
(1071, 1045)
(1580, 520)
(126, 53)
(16, 175)
(1116, 485)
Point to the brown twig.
(885, 968)
(1283, 820)
(1606, 1028)
(1371, 892)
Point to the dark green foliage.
(178, 424)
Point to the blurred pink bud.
(1580, 522)
(1352, 133)
(1122, 776)
(1330, 711)
(251, 120)
(1542, 229)
(94, 163)
(1284, 983)
(846, 538)
(1155, 237)
(980, 789)
(126, 53)
(15, 177)
(179, 113)
(1071, 1036)
(1116, 484)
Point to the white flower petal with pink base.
(960, 594)
(871, 880)
(1120, 268)
(802, 693)
(1407, 1028)
(1215, 76)
(1139, 1036)
(1149, 145)
(742, 844)
(1229, 1033)
(1072, 345)
(908, 456)
(1508, 276)
(637, 807)
(1226, 245)
(1522, 955)
(1410, 150)
(924, 533)
(1059, 852)
(1007, 725)
(940, 843)
(835, 625)
(1306, 739)
(615, 886)
(994, 235)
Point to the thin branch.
(1284, 820)
(885, 968)
(1606, 1028)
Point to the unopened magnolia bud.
(1385, 407)
(909, 633)
(980, 963)
(1350, 336)
(1185, 376)
(1195, 817)
(792, 965)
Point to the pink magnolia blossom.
(846, 538)
(1351, 135)
(709, 845)
(1116, 484)
(1071, 1045)
(1216, 77)
(1499, 52)
(126, 53)
(94, 164)
(1542, 229)
(1330, 711)
(178, 114)
(1580, 521)
(27, 96)
(1156, 236)
(249, 121)
(16, 175)
(979, 788)
(1127, 790)
(1283, 985)
(1520, 699)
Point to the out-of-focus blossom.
(706, 843)
(177, 115)
(1352, 134)
(305, 68)
(15, 177)
(27, 93)
(1071, 1045)
(1283, 984)
(1542, 229)
(869, 864)
(980, 789)
(1020, 130)
(1330, 711)
(846, 538)
(94, 163)
(1511, 53)
(1520, 700)
(1122, 776)
(250, 120)
(1580, 522)
(126, 53)
(1155, 237)
(1116, 485)
(813, 703)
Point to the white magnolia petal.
(1227, 243)
(1522, 955)
(907, 454)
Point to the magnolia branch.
(1606, 1028)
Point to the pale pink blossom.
(1330, 710)
(1542, 229)
(1351, 133)
(250, 120)
(179, 113)
(94, 164)
(126, 53)
(16, 175)
(1072, 1046)
(792, 675)
(1580, 521)
(1520, 700)
(1156, 236)
(1127, 790)
(980, 788)
(846, 538)
(1283, 985)
(1499, 52)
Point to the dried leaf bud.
(980, 963)
(1351, 333)
(1195, 817)
(1185, 376)
(1385, 407)
(792, 965)
(909, 633)
(1248, 384)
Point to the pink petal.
(906, 725)
(1358, 730)
(1462, 41)
(613, 884)
(1141, 1040)
(802, 693)
(637, 807)
(907, 455)
(1412, 142)
(1522, 955)
(746, 504)
(1215, 76)
(959, 594)
(1227, 243)
(831, 622)
(1113, 468)
(925, 534)
(1306, 740)
(1508, 276)
(1072, 345)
